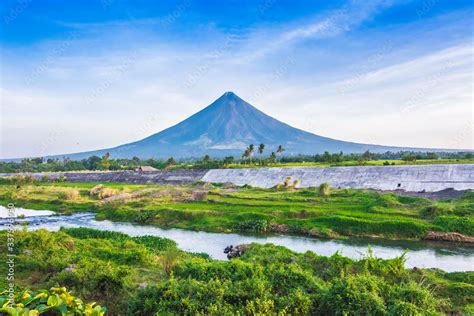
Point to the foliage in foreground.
(57, 301)
(148, 276)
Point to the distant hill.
(225, 128)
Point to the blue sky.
(82, 75)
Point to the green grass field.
(342, 213)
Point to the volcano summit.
(225, 128)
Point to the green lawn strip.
(347, 212)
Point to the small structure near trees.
(145, 169)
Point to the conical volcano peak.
(225, 128)
(230, 96)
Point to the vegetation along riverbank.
(316, 212)
(149, 275)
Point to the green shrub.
(257, 226)
(387, 200)
(95, 279)
(354, 295)
(463, 225)
(144, 217)
(436, 210)
(412, 299)
(153, 243)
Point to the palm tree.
(251, 149)
(280, 151)
(273, 157)
(261, 148)
(246, 154)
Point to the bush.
(21, 180)
(144, 217)
(463, 225)
(354, 295)
(324, 189)
(199, 195)
(95, 190)
(387, 200)
(412, 299)
(69, 194)
(257, 226)
(95, 279)
(61, 178)
(153, 243)
(296, 184)
(107, 192)
(436, 210)
(169, 259)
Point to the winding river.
(445, 256)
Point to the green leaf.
(53, 300)
(41, 308)
(63, 309)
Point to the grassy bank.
(149, 275)
(310, 211)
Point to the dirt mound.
(452, 237)
(445, 194)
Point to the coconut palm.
(251, 150)
(273, 157)
(246, 154)
(261, 148)
(280, 151)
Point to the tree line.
(252, 155)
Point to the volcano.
(226, 128)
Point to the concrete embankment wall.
(156, 177)
(417, 178)
(409, 178)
